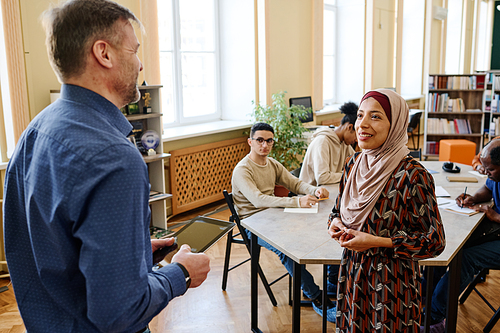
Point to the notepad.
(462, 179)
(477, 174)
(454, 208)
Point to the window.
(189, 61)
(454, 55)
(482, 38)
(329, 50)
(343, 49)
(413, 47)
(5, 98)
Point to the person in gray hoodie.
(329, 149)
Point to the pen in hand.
(465, 192)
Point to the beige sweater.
(253, 186)
(325, 158)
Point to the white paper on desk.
(456, 208)
(312, 210)
(443, 201)
(477, 174)
(441, 192)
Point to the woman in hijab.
(386, 218)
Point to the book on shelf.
(432, 147)
(461, 82)
(443, 103)
(445, 126)
(494, 103)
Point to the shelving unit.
(155, 163)
(492, 107)
(462, 118)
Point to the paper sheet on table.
(312, 210)
(442, 201)
(441, 192)
(432, 171)
(454, 208)
(477, 174)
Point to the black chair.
(481, 276)
(245, 241)
(414, 129)
(416, 154)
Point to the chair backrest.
(235, 217)
(414, 121)
(417, 154)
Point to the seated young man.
(254, 178)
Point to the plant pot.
(280, 191)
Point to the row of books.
(495, 102)
(443, 103)
(445, 126)
(432, 147)
(456, 82)
(495, 126)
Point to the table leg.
(296, 298)
(453, 293)
(428, 298)
(325, 295)
(254, 263)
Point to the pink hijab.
(373, 167)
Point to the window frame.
(332, 8)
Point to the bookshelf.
(455, 109)
(492, 105)
(155, 163)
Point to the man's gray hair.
(73, 27)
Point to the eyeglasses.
(270, 141)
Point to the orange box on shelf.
(458, 151)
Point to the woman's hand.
(336, 228)
(361, 241)
(465, 201)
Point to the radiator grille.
(199, 174)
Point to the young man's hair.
(261, 127)
(350, 109)
(72, 29)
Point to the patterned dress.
(379, 289)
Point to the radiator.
(198, 175)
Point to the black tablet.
(200, 234)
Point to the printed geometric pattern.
(199, 174)
(379, 289)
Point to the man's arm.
(116, 256)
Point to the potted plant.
(288, 129)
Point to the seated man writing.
(482, 249)
(254, 178)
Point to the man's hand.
(307, 201)
(465, 201)
(321, 193)
(490, 213)
(197, 264)
(161, 243)
(480, 169)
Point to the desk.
(286, 232)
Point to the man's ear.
(103, 52)
(350, 127)
(249, 140)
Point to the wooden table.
(304, 239)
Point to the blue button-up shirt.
(76, 220)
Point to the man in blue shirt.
(482, 250)
(76, 214)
